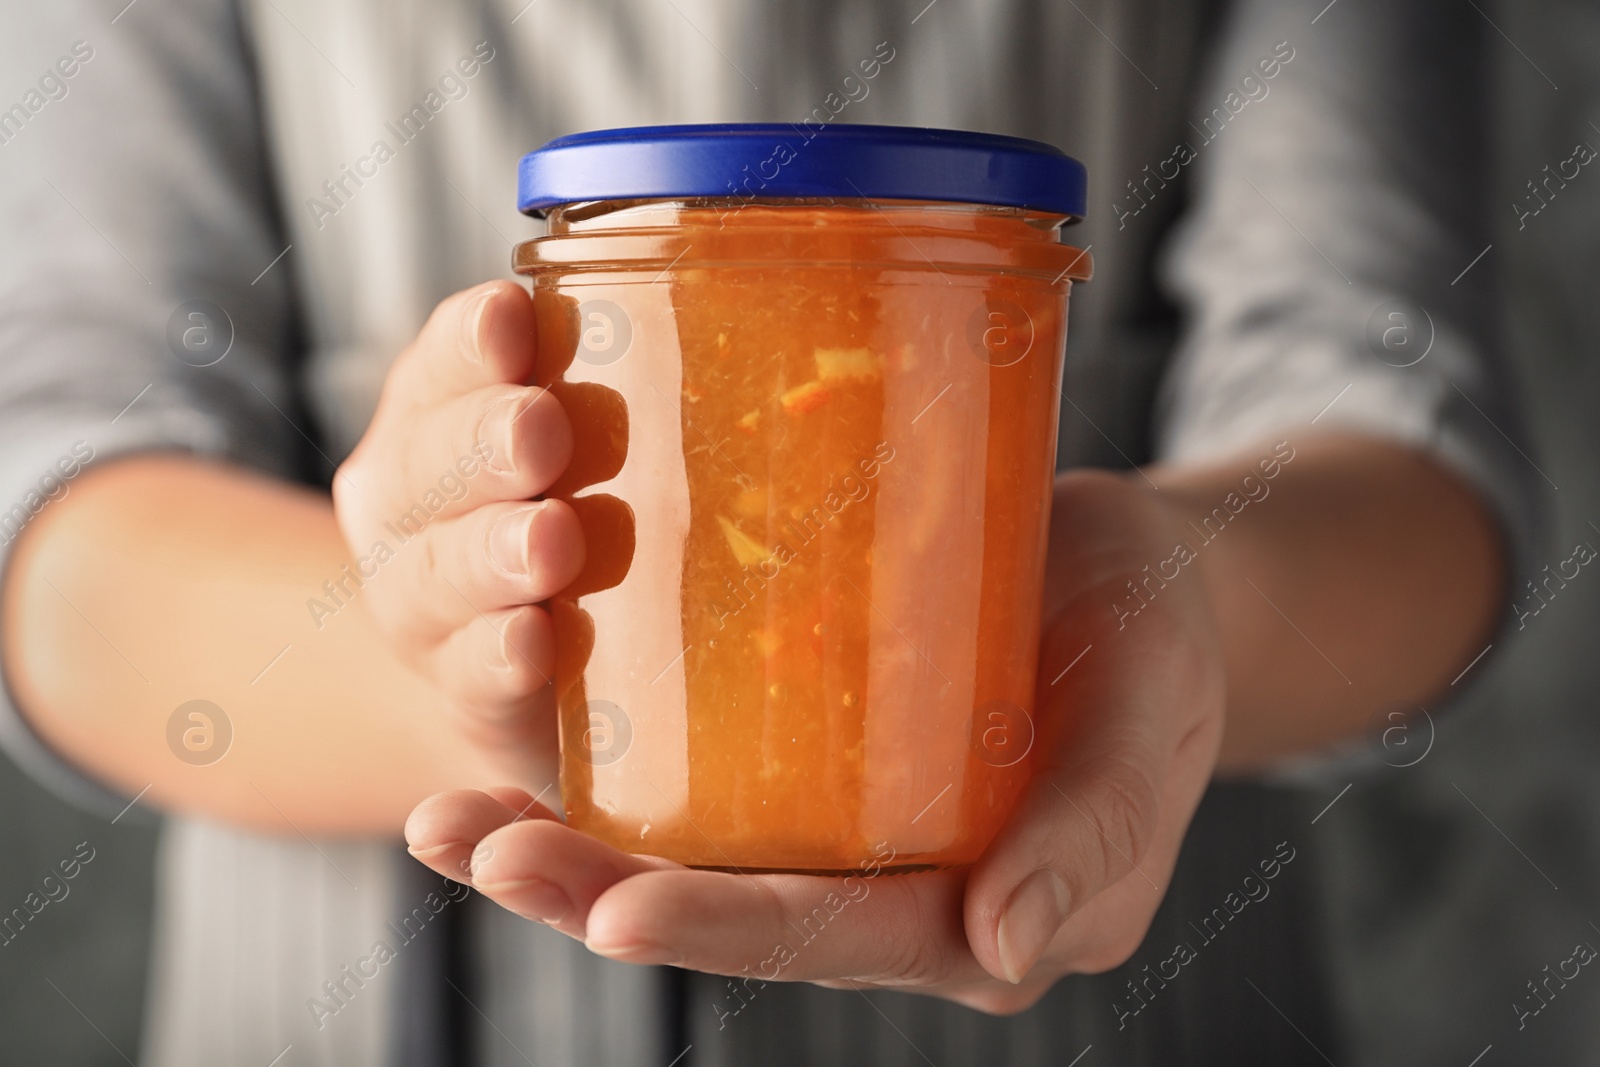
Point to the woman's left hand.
(1127, 738)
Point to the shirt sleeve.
(143, 301)
(1336, 266)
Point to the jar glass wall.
(815, 442)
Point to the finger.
(498, 663)
(984, 994)
(477, 337)
(552, 874)
(501, 442)
(981, 994)
(1090, 815)
(501, 700)
(499, 556)
(1109, 928)
(903, 930)
(444, 830)
(642, 909)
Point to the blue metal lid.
(767, 160)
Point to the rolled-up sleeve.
(140, 305)
(1336, 266)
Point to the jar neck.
(738, 213)
(657, 235)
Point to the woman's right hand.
(435, 504)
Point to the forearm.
(161, 580)
(1363, 575)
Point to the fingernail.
(472, 327)
(499, 430)
(1032, 916)
(535, 899)
(499, 657)
(509, 539)
(639, 952)
(433, 851)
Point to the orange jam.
(815, 446)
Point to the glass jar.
(815, 438)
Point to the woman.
(247, 177)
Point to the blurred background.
(1402, 950)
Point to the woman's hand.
(1129, 716)
(442, 480)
